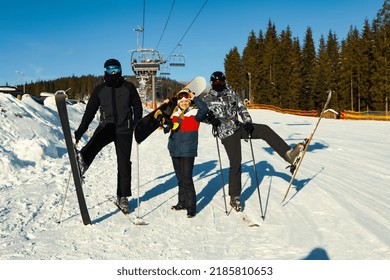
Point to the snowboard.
(295, 167)
(149, 123)
(60, 98)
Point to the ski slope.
(337, 209)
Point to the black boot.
(179, 206)
(191, 213)
(123, 204)
(235, 203)
(191, 204)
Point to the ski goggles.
(183, 99)
(113, 69)
(218, 82)
(183, 94)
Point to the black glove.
(168, 125)
(249, 128)
(214, 121)
(214, 131)
(167, 128)
(77, 136)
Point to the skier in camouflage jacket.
(224, 107)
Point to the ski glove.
(249, 128)
(167, 128)
(77, 136)
(211, 119)
(214, 121)
(168, 125)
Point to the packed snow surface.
(338, 207)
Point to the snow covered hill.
(337, 209)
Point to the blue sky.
(43, 40)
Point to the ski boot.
(235, 203)
(83, 167)
(294, 155)
(123, 204)
(179, 206)
(191, 213)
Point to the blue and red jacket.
(183, 142)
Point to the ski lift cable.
(143, 24)
(166, 24)
(185, 33)
(189, 27)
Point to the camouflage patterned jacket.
(226, 106)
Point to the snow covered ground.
(337, 209)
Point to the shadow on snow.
(210, 170)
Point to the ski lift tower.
(145, 63)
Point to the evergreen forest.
(277, 69)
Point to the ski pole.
(257, 179)
(66, 194)
(220, 168)
(138, 220)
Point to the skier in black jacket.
(120, 109)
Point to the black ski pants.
(232, 146)
(183, 169)
(123, 142)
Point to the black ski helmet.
(113, 78)
(112, 62)
(218, 76)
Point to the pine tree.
(260, 74)
(286, 71)
(350, 71)
(296, 81)
(308, 71)
(322, 74)
(333, 51)
(233, 70)
(381, 75)
(249, 65)
(366, 67)
(269, 64)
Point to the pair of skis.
(60, 98)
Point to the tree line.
(77, 87)
(82, 87)
(276, 69)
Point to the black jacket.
(120, 105)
